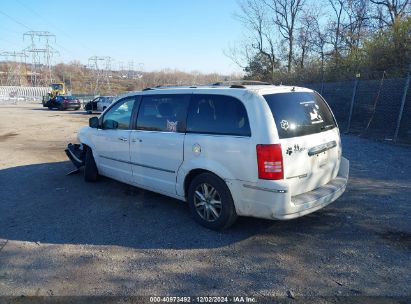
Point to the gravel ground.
(62, 236)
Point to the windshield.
(300, 113)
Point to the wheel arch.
(191, 175)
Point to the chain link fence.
(379, 109)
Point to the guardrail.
(23, 93)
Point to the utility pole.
(41, 56)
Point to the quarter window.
(119, 116)
(164, 113)
(217, 114)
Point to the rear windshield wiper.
(327, 127)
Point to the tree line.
(297, 41)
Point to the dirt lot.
(62, 236)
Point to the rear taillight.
(270, 162)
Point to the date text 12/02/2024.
(203, 299)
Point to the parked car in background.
(264, 151)
(98, 104)
(62, 102)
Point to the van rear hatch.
(309, 139)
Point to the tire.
(207, 191)
(50, 108)
(90, 168)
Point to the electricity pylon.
(101, 67)
(15, 60)
(41, 56)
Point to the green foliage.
(387, 50)
(259, 68)
(390, 50)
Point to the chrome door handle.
(137, 139)
(123, 139)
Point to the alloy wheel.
(207, 202)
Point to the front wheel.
(210, 202)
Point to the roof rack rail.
(240, 83)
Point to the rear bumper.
(261, 200)
(70, 105)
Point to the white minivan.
(264, 151)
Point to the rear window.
(300, 113)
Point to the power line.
(18, 22)
(9, 42)
(47, 21)
(22, 24)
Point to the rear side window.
(164, 113)
(300, 113)
(217, 114)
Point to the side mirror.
(110, 124)
(93, 122)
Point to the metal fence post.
(357, 77)
(404, 97)
(322, 82)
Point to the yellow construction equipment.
(57, 88)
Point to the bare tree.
(319, 40)
(388, 11)
(335, 26)
(285, 17)
(305, 38)
(254, 17)
(357, 23)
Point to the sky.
(188, 35)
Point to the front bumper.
(76, 154)
(265, 202)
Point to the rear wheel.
(90, 168)
(210, 202)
